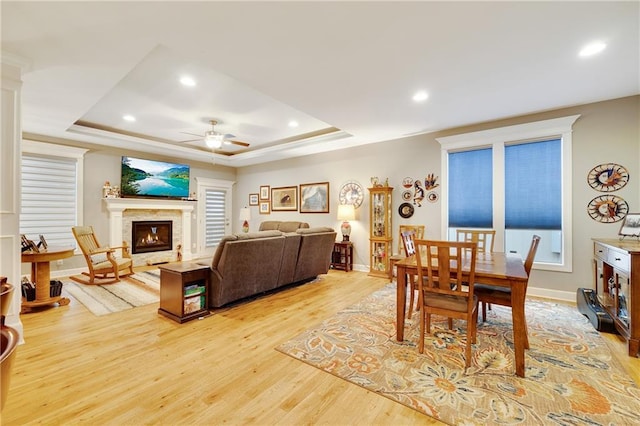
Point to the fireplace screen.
(149, 236)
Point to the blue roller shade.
(533, 182)
(470, 189)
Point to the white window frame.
(497, 139)
(202, 184)
(62, 151)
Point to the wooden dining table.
(499, 269)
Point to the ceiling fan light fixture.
(213, 139)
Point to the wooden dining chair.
(101, 261)
(484, 238)
(419, 231)
(502, 295)
(442, 291)
(408, 242)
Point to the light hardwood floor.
(137, 367)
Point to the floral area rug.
(570, 377)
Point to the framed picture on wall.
(314, 197)
(264, 192)
(630, 225)
(265, 207)
(253, 199)
(284, 198)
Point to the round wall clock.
(608, 177)
(607, 208)
(351, 192)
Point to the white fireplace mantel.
(116, 206)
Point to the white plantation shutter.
(215, 216)
(49, 199)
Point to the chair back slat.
(418, 231)
(450, 264)
(86, 239)
(408, 238)
(528, 263)
(484, 238)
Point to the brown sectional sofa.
(245, 265)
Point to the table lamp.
(245, 216)
(346, 212)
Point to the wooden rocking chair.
(102, 263)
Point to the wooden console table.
(617, 279)
(41, 276)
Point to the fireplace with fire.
(149, 236)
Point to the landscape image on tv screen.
(147, 178)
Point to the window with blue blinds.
(533, 185)
(470, 189)
(215, 216)
(49, 199)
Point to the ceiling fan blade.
(191, 140)
(238, 143)
(192, 134)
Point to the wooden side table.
(342, 256)
(41, 276)
(184, 290)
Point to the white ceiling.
(346, 71)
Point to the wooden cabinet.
(380, 238)
(342, 256)
(617, 283)
(184, 290)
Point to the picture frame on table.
(314, 197)
(253, 199)
(28, 245)
(265, 207)
(264, 192)
(284, 198)
(43, 242)
(630, 225)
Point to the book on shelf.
(193, 304)
(193, 289)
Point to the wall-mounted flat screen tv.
(148, 178)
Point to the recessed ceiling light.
(420, 96)
(129, 117)
(592, 49)
(293, 123)
(187, 81)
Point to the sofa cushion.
(220, 248)
(284, 226)
(259, 234)
(289, 258)
(314, 257)
(314, 230)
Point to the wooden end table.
(41, 276)
(342, 256)
(184, 291)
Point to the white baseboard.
(565, 296)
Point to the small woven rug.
(570, 376)
(141, 288)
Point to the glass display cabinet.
(380, 237)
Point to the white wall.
(606, 132)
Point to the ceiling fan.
(214, 139)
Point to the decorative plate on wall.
(607, 208)
(406, 195)
(608, 177)
(405, 210)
